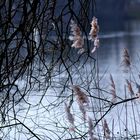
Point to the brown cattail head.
(69, 115)
(126, 60)
(93, 35)
(82, 100)
(81, 96)
(78, 41)
(113, 89)
(106, 130)
(130, 89)
(94, 29)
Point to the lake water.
(47, 118)
(112, 45)
(110, 62)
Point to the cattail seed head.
(82, 100)
(129, 86)
(94, 29)
(126, 60)
(81, 96)
(93, 35)
(78, 41)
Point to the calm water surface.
(111, 50)
(112, 45)
(109, 58)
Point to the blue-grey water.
(46, 119)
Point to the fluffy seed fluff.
(106, 130)
(126, 60)
(82, 100)
(94, 29)
(69, 115)
(113, 89)
(93, 35)
(76, 36)
(130, 89)
(81, 96)
(96, 44)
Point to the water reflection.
(110, 59)
(112, 44)
(110, 54)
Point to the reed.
(76, 37)
(70, 116)
(126, 63)
(93, 35)
(82, 100)
(130, 89)
(106, 130)
(113, 89)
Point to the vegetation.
(50, 85)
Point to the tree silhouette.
(34, 51)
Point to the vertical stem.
(126, 129)
(98, 83)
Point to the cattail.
(138, 87)
(106, 130)
(126, 57)
(94, 29)
(81, 96)
(93, 35)
(113, 89)
(78, 41)
(96, 44)
(126, 60)
(130, 88)
(90, 130)
(82, 100)
(69, 116)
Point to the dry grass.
(113, 89)
(126, 63)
